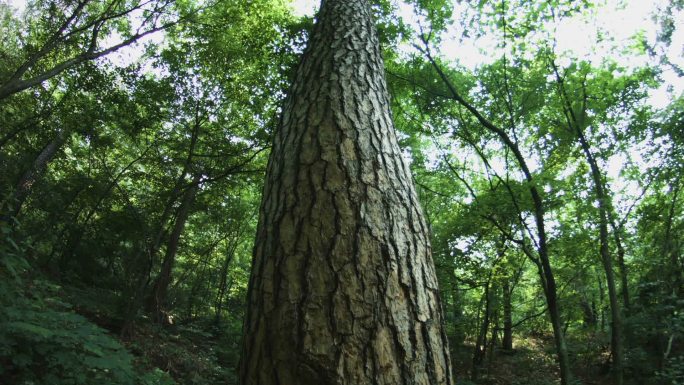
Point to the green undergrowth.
(533, 362)
(57, 335)
(197, 353)
(44, 341)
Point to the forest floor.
(531, 362)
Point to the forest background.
(546, 139)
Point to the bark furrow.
(343, 288)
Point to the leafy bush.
(43, 341)
(51, 346)
(673, 374)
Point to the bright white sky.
(576, 38)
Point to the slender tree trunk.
(546, 274)
(607, 261)
(624, 282)
(139, 290)
(588, 313)
(672, 264)
(223, 279)
(456, 308)
(557, 326)
(158, 299)
(34, 172)
(507, 340)
(494, 321)
(577, 124)
(195, 291)
(343, 288)
(670, 244)
(481, 342)
(602, 297)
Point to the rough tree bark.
(343, 288)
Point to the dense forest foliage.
(135, 135)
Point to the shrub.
(43, 341)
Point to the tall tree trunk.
(481, 342)
(223, 279)
(343, 288)
(607, 261)
(588, 313)
(543, 263)
(139, 290)
(672, 264)
(507, 340)
(624, 282)
(603, 203)
(33, 173)
(602, 297)
(158, 298)
(622, 266)
(494, 320)
(670, 244)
